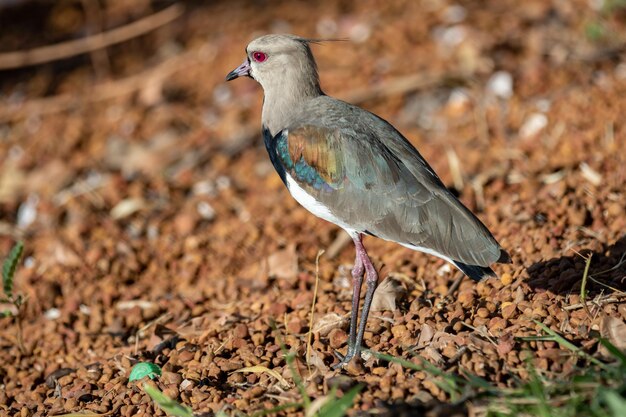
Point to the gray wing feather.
(389, 189)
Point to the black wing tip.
(475, 272)
(504, 258)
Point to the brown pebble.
(399, 331)
(506, 278)
(466, 298)
(295, 326)
(337, 338)
(172, 391)
(171, 378)
(241, 331)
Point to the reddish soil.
(156, 229)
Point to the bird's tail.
(478, 273)
(475, 272)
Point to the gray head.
(282, 64)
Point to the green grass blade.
(276, 409)
(569, 345)
(339, 407)
(542, 338)
(9, 267)
(290, 359)
(170, 406)
(539, 393)
(449, 383)
(613, 350)
(616, 403)
(478, 382)
(401, 361)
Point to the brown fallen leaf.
(316, 360)
(426, 335)
(614, 330)
(432, 354)
(386, 295)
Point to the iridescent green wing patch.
(312, 156)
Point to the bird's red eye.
(259, 56)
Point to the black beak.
(240, 71)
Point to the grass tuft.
(9, 268)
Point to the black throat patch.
(270, 145)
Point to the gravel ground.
(156, 229)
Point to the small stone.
(295, 326)
(533, 125)
(506, 278)
(466, 298)
(399, 331)
(241, 331)
(337, 338)
(501, 84)
(171, 378)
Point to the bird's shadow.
(564, 275)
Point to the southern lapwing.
(352, 168)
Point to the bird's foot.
(344, 360)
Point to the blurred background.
(133, 172)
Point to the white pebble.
(450, 36)
(127, 207)
(501, 84)
(533, 125)
(360, 32)
(204, 188)
(205, 210)
(222, 182)
(458, 98)
(52, 314)
(27, 212)
(444, 269)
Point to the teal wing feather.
(324, 160)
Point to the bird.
(352, 168)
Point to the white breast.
(307, 201)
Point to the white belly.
(307, 201)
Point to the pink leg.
(362, 263)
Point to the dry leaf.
(317, 361)
(614, 330)
(432, 354)
(330, 321)
(426, 335)
(386, 295)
